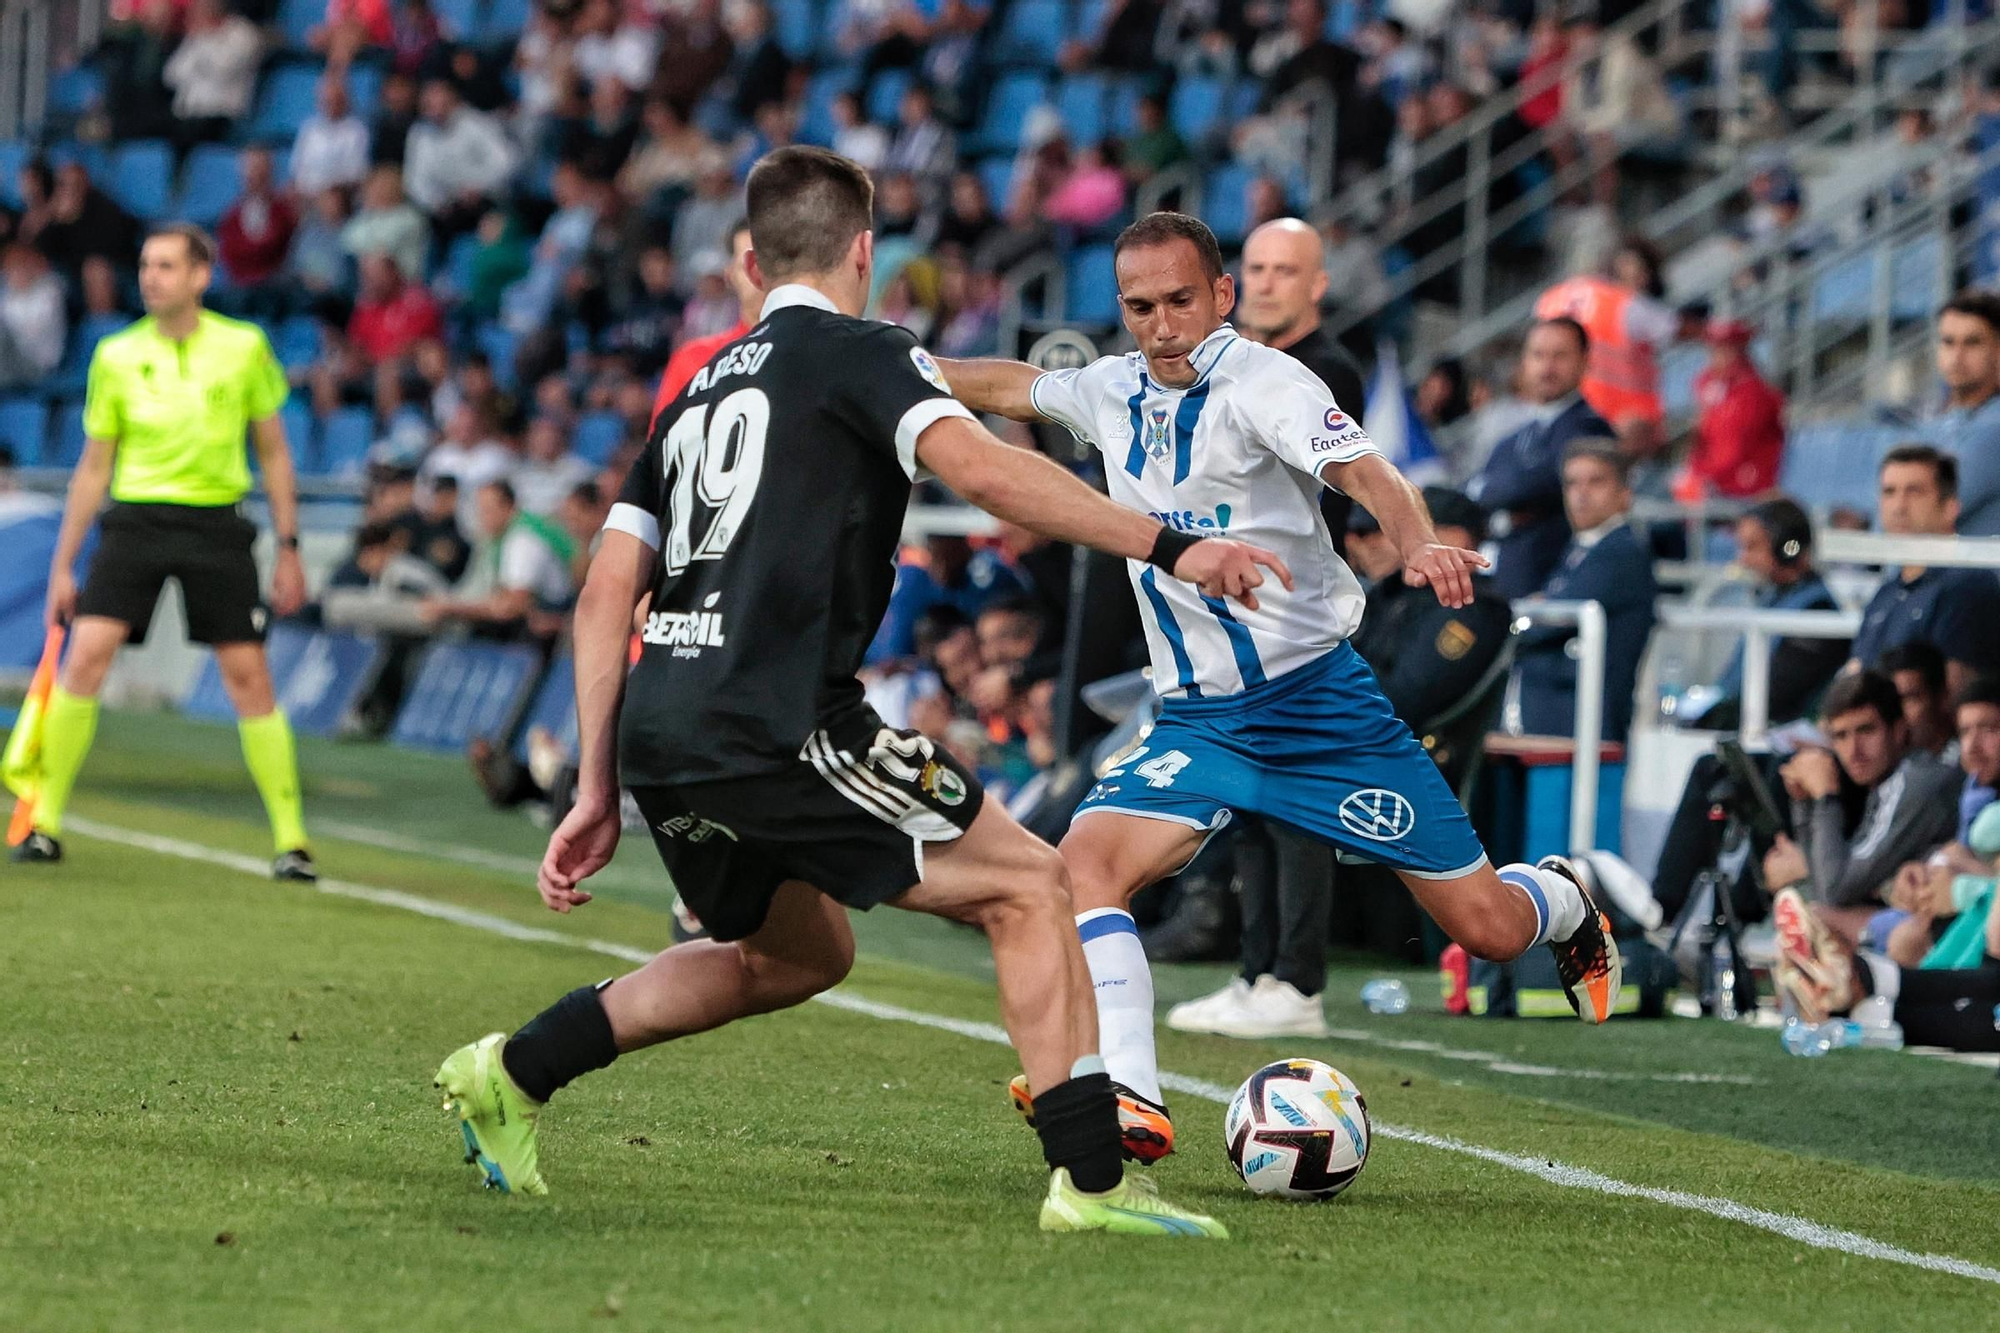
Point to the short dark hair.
(1918, 656)
(1168, 226)
(1978, 690)
(1603, 450)
(1018, 605)
(806, 207)
(504, 487)
(201, 247)
(444, 481)
(1943, 466)
(1982, 305)
(1863, 689)
(587, 494)
(1575, 328)
(1786, 523)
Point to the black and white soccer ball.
(1297, 1129)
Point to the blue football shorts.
(1317, 749)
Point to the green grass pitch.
(216, 1114)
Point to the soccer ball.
(1297, 1129)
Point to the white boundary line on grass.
(1792, 1228)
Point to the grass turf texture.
(218, 1115)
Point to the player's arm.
(619, 576)
(1022, 487)
(87, 486)
(1399, 507)
(281, 488)
(1004, 388)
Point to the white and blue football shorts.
(1317, 749)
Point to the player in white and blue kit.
(1266, 708)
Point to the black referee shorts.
(206, 549)
(853, 827)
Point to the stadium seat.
(1679, 365)
(597, 437)
(997, 175)
(1225, 203)
(70, 374)
(1916, 279)
(301, 433)
(1013, 97)
(498, 344)
(887, 95)
(297, 341)
(1196, 106)
(1032, 32)
(69, 435)
(1081, 101)
(210, 182)
(364, 89)
(344, 441)
(1122, 105)
(1090, 289)
(816, 121)
(13, 156)
(24, 428)
(142, 174)
(505, 20)
(76, 90)
(285, 99)
(461, 18)
(297, 19)
(1840, 293)
(795, 23)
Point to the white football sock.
(1123, 982)
(1558, 903)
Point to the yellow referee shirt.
(179, 411)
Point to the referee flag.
(21, 764)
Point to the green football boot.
(497, 1118)
(1131, 1208)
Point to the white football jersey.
(1236, 453)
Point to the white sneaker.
(1196, 1015)
(1272, 1008)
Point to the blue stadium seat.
(1122, 107)
(74, 368)
(284, 101)
(1679, 365)
(210, 182)
(461, 18)
(24, 428)
(297, 341)
(887, 95)
(142, 174)
(94, 158)
(1840, 293)
(816, 122)
(597, 437)
(505, 20)
(1081, 101)
(1013, 97)
(1090, 288)
(1196, 106)
(344, 440)
(796, 25)
(297, 19)
(1032, 33)
(76, 90)
(997, 175)
(69, 435)
(1916, 287)
(498, 344)
(13, 156)
(1225, 203)
(301, 432)
(364, 90)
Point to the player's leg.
(498, 1085)
(269, 751)
(1501, 914)
(68, 726)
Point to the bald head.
(1284, 278)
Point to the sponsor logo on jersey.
(941, 784)
(1335, 419)
(929, 370)
(1159, 434)
(695, 829)
(1193, 520)
(1346, 432)
(1378, 814)
(686, 632)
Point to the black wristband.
(288, 543)
(1168, 547)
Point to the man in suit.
(1521, 486)
(1605, 562)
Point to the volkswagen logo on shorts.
(1378, 814)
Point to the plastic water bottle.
(1385, 995)
(1810, 1040)
(1722, 977)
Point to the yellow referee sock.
(274, 767)
(67, 729)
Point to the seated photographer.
(1929, 895)
(1774, 545)
(1822, 975)
(1910, 805)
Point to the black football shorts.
(851, 825)
(206, 549)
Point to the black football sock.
(563, 1042)
(1078, 1122)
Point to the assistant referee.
(168, 403)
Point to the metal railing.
(1760, 628)
(1588, 736)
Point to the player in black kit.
(764, 519)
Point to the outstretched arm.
(1399, 507)
(1023, 487)
(1004, 388)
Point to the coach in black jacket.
(1606, 562)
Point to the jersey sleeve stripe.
(920, 419)
(630, 519)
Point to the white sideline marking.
(1798, 1229)
(451, 851)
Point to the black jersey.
(774, 489)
